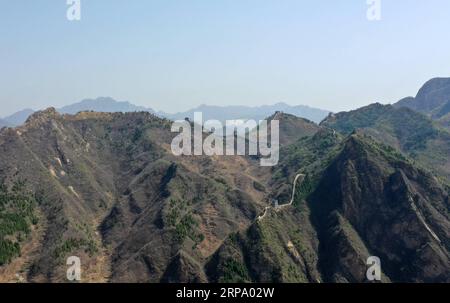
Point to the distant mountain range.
(433, 100)
(4, 123)
(222, 113)
(102, 104)
(17, 118)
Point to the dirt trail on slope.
(287, 204)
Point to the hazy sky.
(172, 55)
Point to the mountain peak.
(102, 104)
(43, 115)
(432, 96)
(433, 85)
(279, 115)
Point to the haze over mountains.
(105, 187)
(4, 123)
(433, 99)
(102, 105)
(221, 113)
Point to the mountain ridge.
(432, 99)
(222, 113)
(413, 133)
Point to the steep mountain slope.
(445, 121)
(372, 201)
(112, 193)
(283, 247)
(432, 99)
(442, 111)
(106, 187)
(404, 129)
(367, 201)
